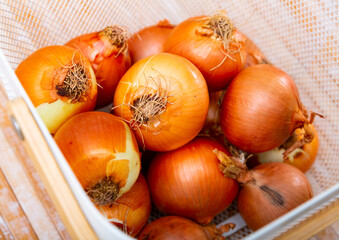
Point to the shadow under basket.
(300, 37)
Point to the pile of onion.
(102, 152)
(212, 44)
(187, 181)
(107, 50)
(153, 98)
(302, 157)
(174, 227)
(267, 191)
(261, 109)
(149, 41)
(131, 211)
(60, 82)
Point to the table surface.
(26, 211)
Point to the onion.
(187, 182)
(164, 98)
(107, 52)
(212, 44)
(149, 41)
(261, 109)
(60, 82)
(102, 152)
(302, 158)
(174, 227)
(268, 191)
(131, 211)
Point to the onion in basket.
(60, 83)
(164, 98)
(261, 109)
(108, 53)
(187, 182)
(212, 44)
(268, 191)
(149, 41)
(102, 152)
(174, 227)
(131, 211)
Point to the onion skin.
(186, 181)
(100, 146)
(206, 52)
(174, 227)
(171, 80)
(109, 62)
(276, 189)
(41, 73)
(301, 158)
(131, 211)
(261, 109)
(149, 41)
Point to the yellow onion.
(60, 83)
(102, 152)
(107, 52)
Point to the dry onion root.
(212, 44)
(107, 50)
(173, 227)
(131, 211)
(60, 82)
(102, 152)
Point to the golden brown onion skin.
(149, 41)
(174, 227)
(187, 182)
(131, 211)
(206, 52)
(261, 109)
(276, 189)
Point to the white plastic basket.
(300, 37)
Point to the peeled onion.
(261, 109)
(187, 181)
(131, 211)
(102, 152)
(60, 82)
(149, 41)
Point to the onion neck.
(215, 233)
(103, 192)
(233, 167)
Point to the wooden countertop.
(27, 212)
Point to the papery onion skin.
(109, 61)
(131, 211)
(149, 41)
(43, 71)
(174, 87)
(187, 182)
(100, 147)
(174, 227)
(261, 109)
(276, 189)
(189, 39)
(302, 158)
